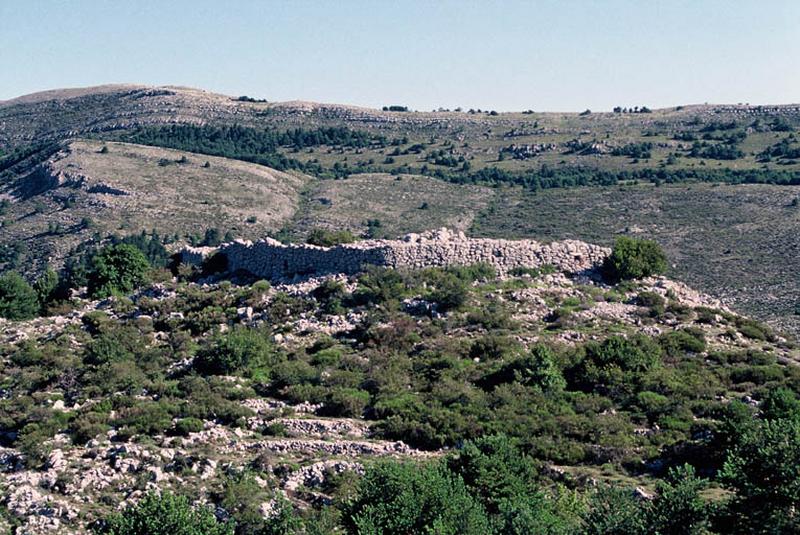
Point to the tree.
(677, 508)
(542, 514)
(212, 238)
(242, 497)
(539, 369)
(397, 498)
(117, 269)
(764, 471)
(494, 470)
(614, 511)
(18, 301)
(617, 365)
(45, 286)
(780, 403)
(536, 369)
(164, 515)
(633, 258)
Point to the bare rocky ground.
(79, 482)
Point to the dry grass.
(159, 193)
(402, 204)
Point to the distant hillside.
(701, 138)
(271, 165)
(92, 187)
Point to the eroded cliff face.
(271, 259)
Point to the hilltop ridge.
(404, 171)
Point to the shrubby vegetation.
(633, 258)
(117, 269)
(262, 147)
(437, 362)
(18, 301)
(254, 145)
(26, 157)
(547, 177)
(329, 238)
(490, 485)
(164, 515)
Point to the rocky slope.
(287, 436)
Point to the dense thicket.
(551, 177)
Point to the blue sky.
(505, 55)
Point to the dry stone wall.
(271, 259)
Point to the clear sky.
(506, 55)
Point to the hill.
(93, 187)
(477, 170)
(270, 402)
(738, 243)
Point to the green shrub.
(547, 269)
(400, 498)
(495, 470)
(330, 295)
(329, 238)
(536, 369)
(185, 426)
(492, 317)
(763, 470)
(653, 301)
(652, 404)
(330, 356)
(474, 272)
(146, 418)
(117, 269)
(293, 372)
(494, 347)
(380, 286)
(780, 403)
(676, 343)
(45, 287)
(757, 374)
(617, 365)
(677, 507)
(18, 301)
(239, 349)
(242, 497)
(166, 514)
(633, 258)
(754, 330)
(445, 289)
(615, 511)
(346, 402)
(87, 426)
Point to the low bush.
(238, 350)
(185, 426)
(329, 238)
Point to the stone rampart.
(271, 259)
